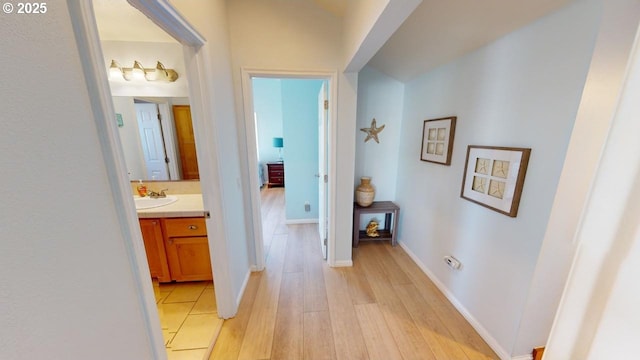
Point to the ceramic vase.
(365, 192)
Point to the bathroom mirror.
(157, 139)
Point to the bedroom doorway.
(288, 106)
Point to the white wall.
(275, 35)
(598, 317)
(211, 21)
(67, 288)
(360, 17)
(130, 137)
(148, 54)
(616, 32)
(523, 90)
(368, 24)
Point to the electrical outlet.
(307, 206)
(452, 262)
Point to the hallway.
(383, 307)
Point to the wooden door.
(186, 142)
(154, 247)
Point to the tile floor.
(188, 318)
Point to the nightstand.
(275, 174)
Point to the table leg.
(394, 241)
(356, 228)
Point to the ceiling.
(335, 7)
(119, 21)
(439, 31)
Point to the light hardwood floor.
(383, 307)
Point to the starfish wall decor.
(372, 132)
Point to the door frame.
(163, 14)
(252, 160)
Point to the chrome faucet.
(155, 195)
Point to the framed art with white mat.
(494, 177)
(437, 140)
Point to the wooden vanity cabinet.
(154, 246)
(177, 249)
(187, 248)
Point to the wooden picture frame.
(494, 177)
(437, 140)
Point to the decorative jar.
(365, 192)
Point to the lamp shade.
(278, 142)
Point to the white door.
(152, 141)
(323, 111)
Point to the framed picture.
(437, 140)
(494, 177)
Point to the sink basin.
(148, 203)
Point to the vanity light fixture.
(159, 73)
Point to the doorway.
(176, 246)
(313, 166)
(87, 39)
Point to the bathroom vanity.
(176, 241)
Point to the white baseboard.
(486, 336)
(244, 286)
(254, 268)
(342, 263)
(301, 221)
(523, 357)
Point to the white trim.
(252, 161)
(163, 14)
(250, 130)
(204, 128)
(88, 41)
(243, 287)
(490, 340)
(523, 357)
(301, 221)
(342, 263)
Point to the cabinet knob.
(192, 227)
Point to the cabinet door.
(154, 247)
(189, 258)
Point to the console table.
(378, 207)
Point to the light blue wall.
(380, 97)
(523, 90)
(300, 129)
(267, 104)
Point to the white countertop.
(187, 205)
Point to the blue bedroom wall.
(267, 105)
(300, 130)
